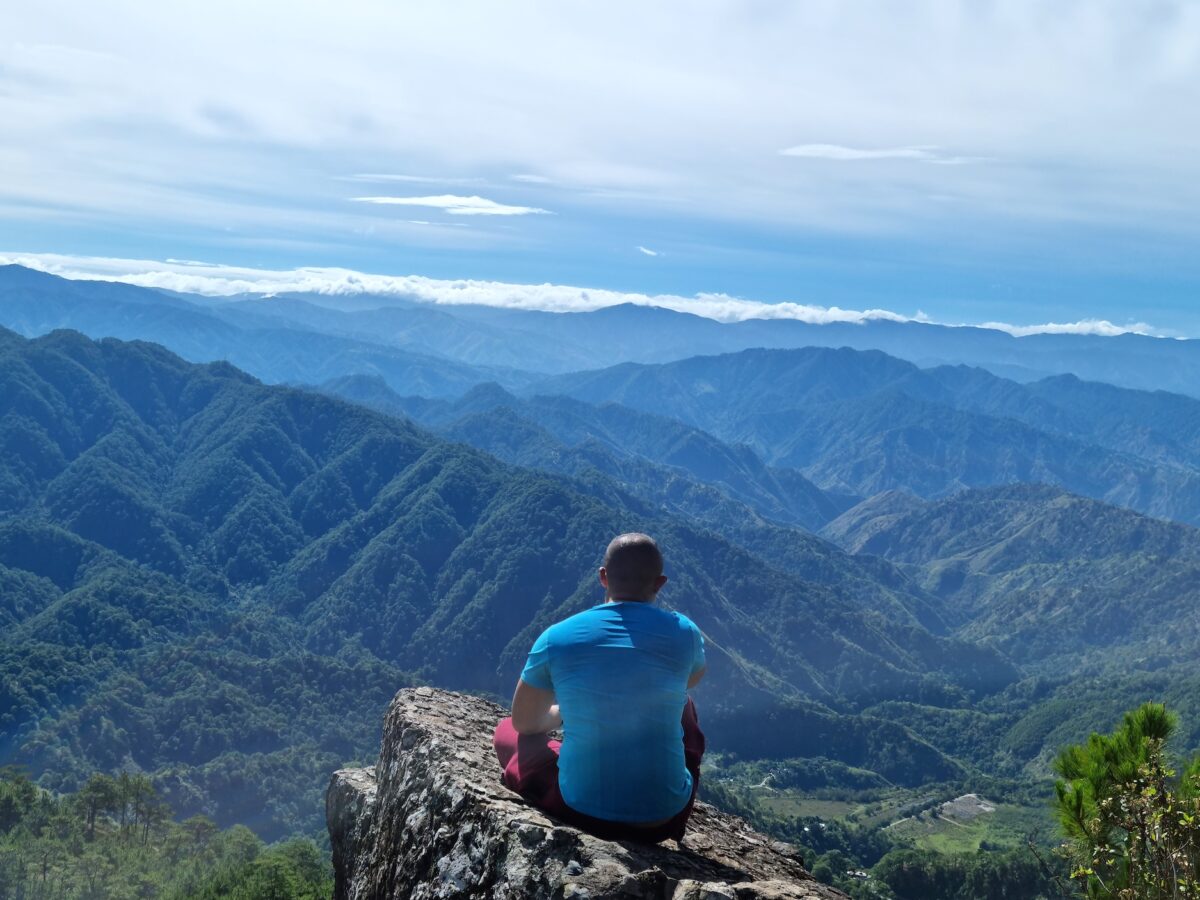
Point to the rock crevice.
(431, 820)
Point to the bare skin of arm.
(534, 710)
(696, 677)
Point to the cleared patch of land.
(967, 823)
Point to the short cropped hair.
(633, 562)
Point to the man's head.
(633, 568)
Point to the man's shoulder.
(667, 621)
(663, 614)
(684, 622)
(572, 623)
(594, 616)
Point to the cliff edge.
(432, 820)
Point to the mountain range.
(648, 453)
(1050, 578)
(33, 303)
(855, 423)
(558, 343)
(196, 567)
(1012, 561)
(217, 566)
(864, 422)
(512, 342)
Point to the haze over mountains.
(855, 423)
(33, 303)
(555, 343)
(563, 342)
(864, 422)
(924, 573)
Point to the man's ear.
(604, 577)
(659, 582)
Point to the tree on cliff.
(1132, 824)
(116, 839)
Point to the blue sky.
(1011, 162)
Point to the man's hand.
(534, 710)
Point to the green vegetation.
(221, 584)
(936, 843)
(925, 875)
(659, 459)
(1012, 561)
(115, 839)
(866, 422)
(1008, 827)
(1132, 823)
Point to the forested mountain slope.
(645, 451)
(1088, 565)
(222, 582)
(613, 473)
(866, 422)
(1057, 581)
(1156, 425)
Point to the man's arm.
(534, 710)
(699, 663)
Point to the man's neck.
(628, 599)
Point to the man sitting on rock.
(615, 679)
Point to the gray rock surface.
(432, 820)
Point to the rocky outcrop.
(432, 820)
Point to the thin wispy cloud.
(189, 262)
(386, 178)
(921, 153)
(646, 250)
(1073, 131)
(221, 280)
(457, 206)
(427, 224)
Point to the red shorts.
(530, 763)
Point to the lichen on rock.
(431, 820)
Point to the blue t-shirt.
(619, 672)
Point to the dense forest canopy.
(284, 561)
(115, 838)
(217, 584)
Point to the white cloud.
(646, 250)
(456, 205)
(107, 105)
(189, 262)
(532, 179)
(221, 280)
(1099, 327)
(925, 154)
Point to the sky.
(1008, 162)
